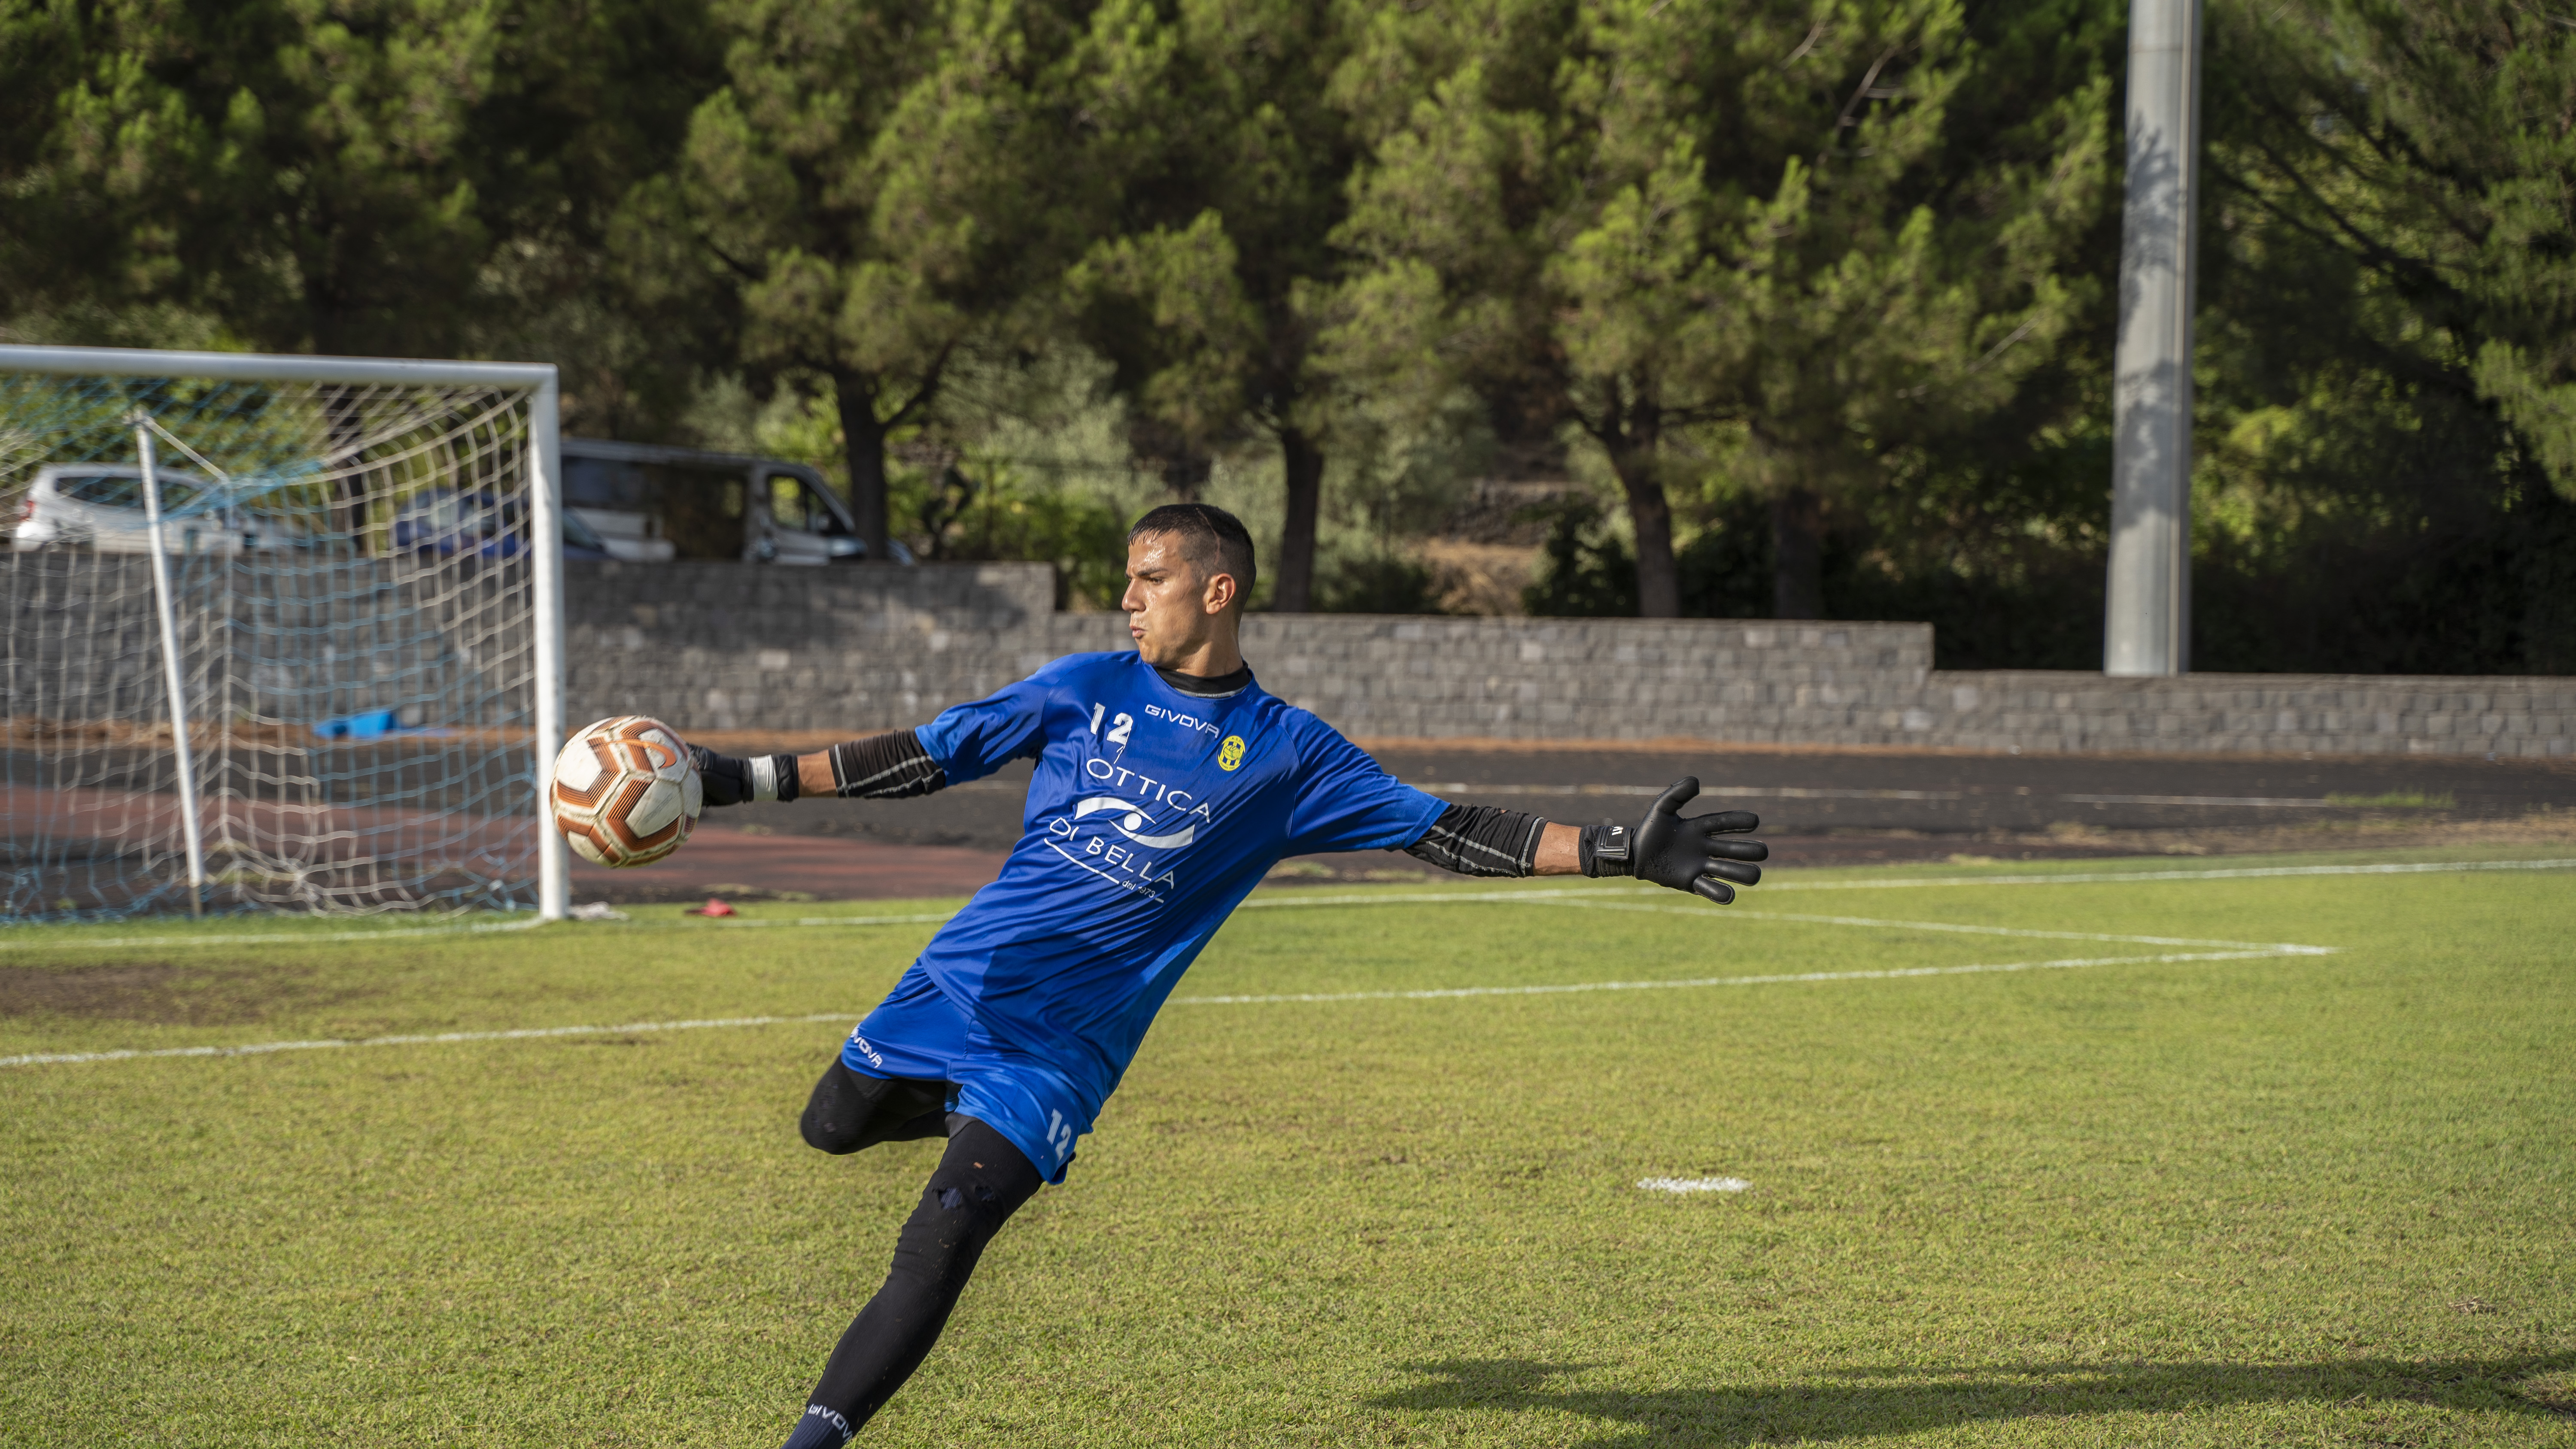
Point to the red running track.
(829, 868)
(717, 858)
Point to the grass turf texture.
(2295, 1199)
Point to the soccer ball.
(625, 792)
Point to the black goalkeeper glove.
(728, 781)
(1686, 855)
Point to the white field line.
(75, 943)
(1918, 882)
(2114, 877)
(2276, 948)
(1800, 792)
(1693, 1184)
(1578, 898)
(1441, 994)
(40, 1059)
(1284, 902)
(924, 918)
(264, 938)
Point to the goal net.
(281, 633)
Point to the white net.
(350, 584)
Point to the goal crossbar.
(271, 367)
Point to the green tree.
(1229, 193)
(2388, 283)
(878, 189)
(1839, 226)
(2429, 145)
(337, 177)
(408, 177)
(302, 174)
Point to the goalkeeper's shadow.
(1867, 1403)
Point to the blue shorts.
(918, 1032)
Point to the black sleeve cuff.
(1608, 850)
(1481, 840)
(890, 766)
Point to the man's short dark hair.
(1211, 538)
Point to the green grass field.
(2208, 1191)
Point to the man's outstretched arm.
(890, 766)
(1692, 854)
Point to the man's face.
(1172, 604)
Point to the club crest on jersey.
(1229, 755)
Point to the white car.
(99, 507)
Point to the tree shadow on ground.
(1864, 1402)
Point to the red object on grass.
(713, 907)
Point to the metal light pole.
(2147, 616)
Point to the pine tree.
(302, 173)
(402, 177)
(2429, 145)
(1837, 226)
(1229, 192)
(880, 186)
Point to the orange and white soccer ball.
(625, 791)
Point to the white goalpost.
(281, 632)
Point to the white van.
(649, 503)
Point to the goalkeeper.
(1167, 784)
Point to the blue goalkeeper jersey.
(1151, 815)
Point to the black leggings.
(980, 1181)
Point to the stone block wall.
(740, 647)
(1609, 679)
(2343, 714)
(299, 639)
(724, 645)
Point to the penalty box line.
(529, 1033)
(1577, 898)
(2122, 877)
(278, 938)
(40, 1059)
(1893, 974)
(1602, 900)
(64, 943)
(266, 938)
(2242, 951)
